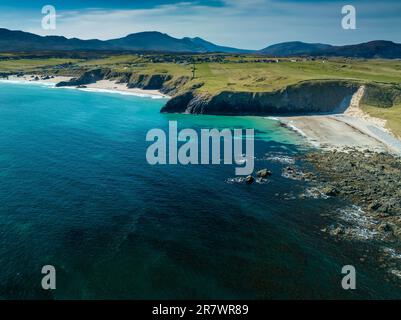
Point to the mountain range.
(153, 41)
(372, 49)
(150, 41)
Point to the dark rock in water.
(330, 191)
(385, 227)
(297, 174)
(81, 86)
(337, 231)
(249, 180)
(308, 176)
(36, 78)
(264, 173)
(374, 206)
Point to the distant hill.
(211, 47)
(153, 41)
(25, 41)
(294, 48)
(373, 49)
(142, 41)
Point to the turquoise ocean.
(76, 192)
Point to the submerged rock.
(337, 231)
(264, 173)
(330, 191)
(249, 180)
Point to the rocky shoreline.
(370, 180)
(370, 185)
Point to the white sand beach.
(352, 128)
(122, 87)
(100, 86)
(31, 78)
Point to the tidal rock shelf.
(367, 179)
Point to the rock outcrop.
(367, 179)
(162, 82)
(264, 173)
(148, 82)
(87, 77)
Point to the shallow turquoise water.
(76, 192)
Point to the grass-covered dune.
(233, 84)
(384, 101)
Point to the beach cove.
(74, 174)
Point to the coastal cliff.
(86, 78)
(163, 82)
(305, 97)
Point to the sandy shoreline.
(99, 86)
(351, 129)
(342, 131)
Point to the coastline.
(340, 131)
(106, 86)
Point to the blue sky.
(252, 24)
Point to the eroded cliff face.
(163, 82)
(86, 78)
(316, 96)
(305, 97)
(148, 82)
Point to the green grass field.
(234, 74)
(32, 65)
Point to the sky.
(248, 24)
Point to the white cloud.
(242, 23)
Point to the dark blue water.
(76, 192)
